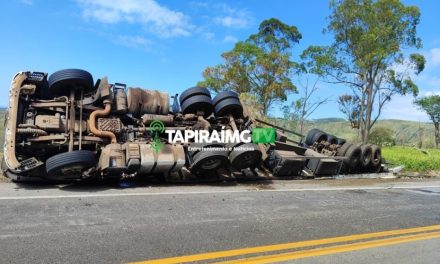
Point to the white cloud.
(208, 35)
(402, 107)
(230, 39)
(133, 41)
(232, 22)
(147, 13)
(434, 57)
(232, 17)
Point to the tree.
(382, 136)
(261, 65)
(431, 105)
(301, 109)
(349, 106)
(367, 53)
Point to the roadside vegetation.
(417, 160)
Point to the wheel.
(198, 103)
(229, 106)
(341, 141)
(332, 139)
(70, 164)
(318, 137)
(193, 92)
(62, 82)
(224, 95)
(310, 135)
(205, 161)
(343, 149)
(353, 156)
(242, 159)
(366, 155)
(376, 156)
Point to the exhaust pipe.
(102, 113)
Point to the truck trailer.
(69, 127)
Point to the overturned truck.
(66, 126)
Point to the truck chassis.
(67, 127)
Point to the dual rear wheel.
(198, 100)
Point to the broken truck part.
(67, 126)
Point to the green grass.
(413, 159)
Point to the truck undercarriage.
(67, 127)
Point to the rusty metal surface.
(141, 101)
(110, 124)
(92, 123)
(11, 122)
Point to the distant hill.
(406, 133)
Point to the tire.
(353, 156)
(376, 156)
(366, 155)
(62, 82)
(242, 159)
(193, 92)
(343, 149)
(318, 137)
(341, 141)
(332, 139)
(206, 161)
(310, 135)
(70, 164)
(198, 103)
(229, 106)
(224, 95)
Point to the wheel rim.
(211, 163)
(72, 170)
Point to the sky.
(165, 45)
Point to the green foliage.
(349, 106)
(251, 105)
(382, 136)
(413, 159)
(431, 105)
(260, 65)
(367, 53)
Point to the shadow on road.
(116, 184)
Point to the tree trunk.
(303, 114)
(360, 133)
(368, 113)
(437, 134)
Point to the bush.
(382, 136)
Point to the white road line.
(209, 192)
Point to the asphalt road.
(114, 224)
